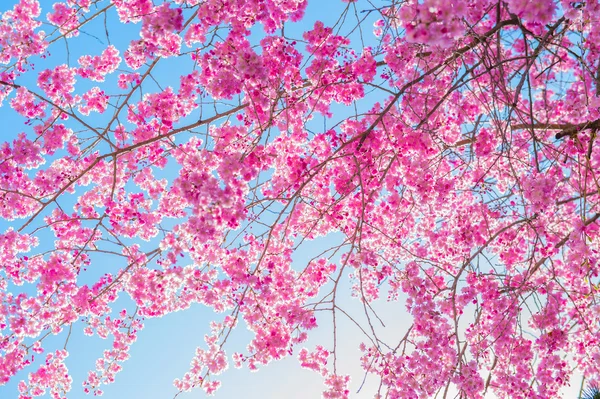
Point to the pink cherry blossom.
(416, 180)
(97, 67)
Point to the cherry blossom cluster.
(445, 155)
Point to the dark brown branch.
(566, 129)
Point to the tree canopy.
(161, 154)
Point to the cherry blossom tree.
(201, 144)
